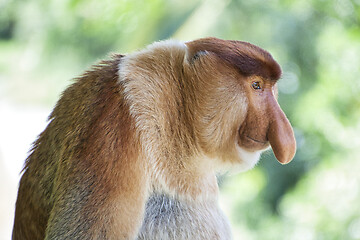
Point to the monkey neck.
(180, 173)
(186, 184)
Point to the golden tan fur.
(133, 146)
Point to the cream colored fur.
(187, 115)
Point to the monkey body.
(133, 146)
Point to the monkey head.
(238, 115)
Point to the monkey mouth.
(257, 141)
(251, 139)
(252, 143)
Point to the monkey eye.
(256, 85)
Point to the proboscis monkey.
(132, 148)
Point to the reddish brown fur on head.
(248, 59)
(264, 123)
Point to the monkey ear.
(191, 57)
(199, 54)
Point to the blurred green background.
(45, 43)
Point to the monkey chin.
(247, 159)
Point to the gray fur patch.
(170, 218)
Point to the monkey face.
(244, 121)
(265, 123)
(239, 113)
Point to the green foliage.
(45, 43)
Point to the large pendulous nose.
(280, 134)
